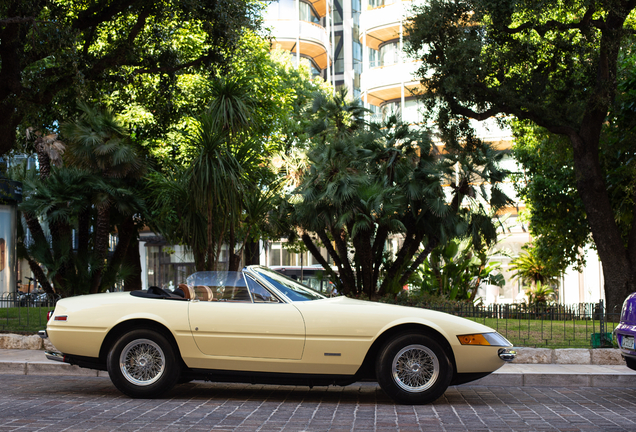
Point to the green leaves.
(367, 186)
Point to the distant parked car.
(626, 331)
(258, 326)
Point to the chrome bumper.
(507, 354)
(43, 334)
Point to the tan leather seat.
(203, 293)
(188, 292)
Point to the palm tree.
(531, 269)
(99, 143)
(227, 165)
(335, 117)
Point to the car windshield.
(216, 278)
(292, 289)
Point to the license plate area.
(627, 342)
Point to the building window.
(337, 12)
(378, 3)
(307, 13)
(338, 54)
(389, 54)
(279, 255)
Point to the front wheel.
(413, 369)
(142, 364)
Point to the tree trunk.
(125, 235)
(133, 259)
(40, 276)
(252, 256)
(234, 259)
(313, 249)
(618, 263)
(101, 245)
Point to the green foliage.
(366, 184)
(84, 199)
(547, 186)
(148, 58)
(455, 271)
(556, 65)
(547, 182)
(540, 294)
(225, 187)
(532, 270)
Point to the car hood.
(388, 315)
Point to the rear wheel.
(631, 362)
(413, 369)
(142, 364)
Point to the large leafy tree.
(552, 63)
(547, 180)
(53, 52)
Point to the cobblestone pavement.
(29, 403)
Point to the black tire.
(413, 369)
(631, 362)
(142, 364)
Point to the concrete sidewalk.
(33, 362)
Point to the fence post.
(602, 322)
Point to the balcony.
(382, 84)
(320, 6)
(314, 41)
(383, 23)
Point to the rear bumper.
(43, 334)
(81, 361)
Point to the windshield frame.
(261, 272)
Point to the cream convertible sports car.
(258, 326)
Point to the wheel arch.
(134, 324)
(367, 369)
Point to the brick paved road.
(29, 403)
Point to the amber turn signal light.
(473, 339)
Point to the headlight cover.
(488, 339)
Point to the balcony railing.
(314, 40)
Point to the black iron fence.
(554, 326)
(576, 325)
(25, 312)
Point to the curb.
(33, 363)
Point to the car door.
(236, 326)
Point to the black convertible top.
(155, 292)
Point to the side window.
(233, 294)
(259, 293)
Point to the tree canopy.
(554, 64)
(54, 52)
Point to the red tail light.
(49, 314)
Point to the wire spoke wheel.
(142, 362)
(415, 368)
